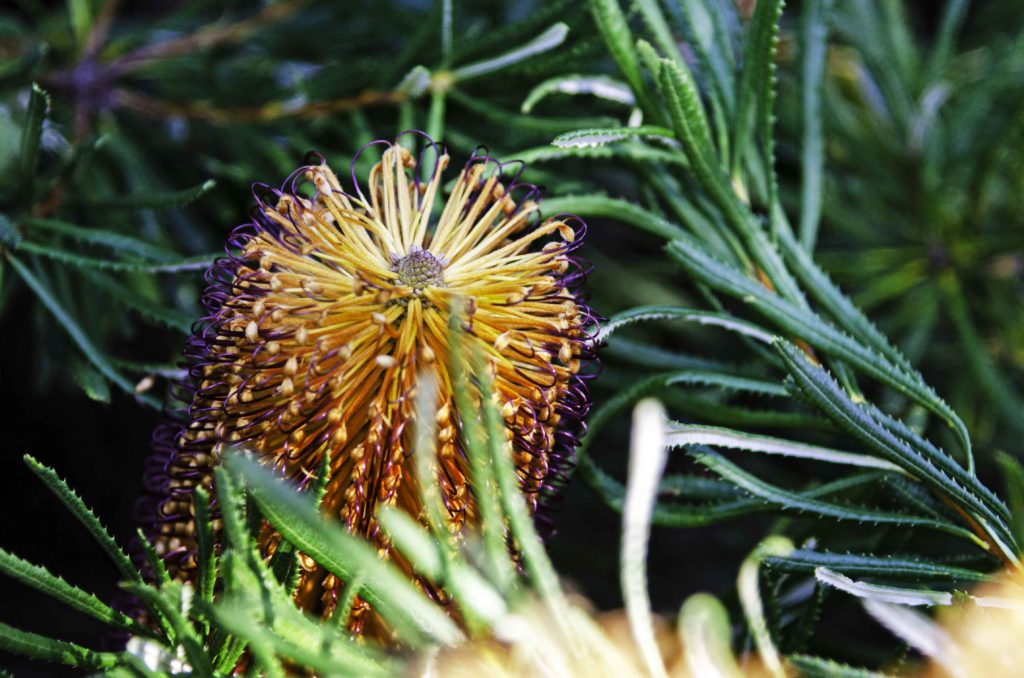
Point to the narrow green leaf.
(819, 667)
(169, 602)
(600, 86)
(545, 42)
(123, 244)
(84, 515)
(803, 323)
(886, 594)
(600, 205)
(793, 501)
(41, 579)
(686, 97)
(144, 306)
(866, 565)
(520, 522)
(813, 33)
(38, 106)
(839, 306)
(611, 24)
(309, 647)
(90, 381)
(197, 263)
(9, 235)
(206, 555)
(953, 16)
(760, 249)
(602, 136)
(156, 563)
(643, 313)
(997, 388)
(84, 343)
(748, 585)
(345, 555)
(938, 471)
(637, 151)
(158, 200)
(647, 458)
(706, 638)
(1013, 476)
(50, 650)
(754, 89)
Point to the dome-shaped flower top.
(330, 306)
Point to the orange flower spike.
(330, 305)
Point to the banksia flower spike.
(329, 307)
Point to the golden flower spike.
(326, 310)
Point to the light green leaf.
(58, 651)
(545, 42)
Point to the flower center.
(419, 269)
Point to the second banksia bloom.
(332, 303)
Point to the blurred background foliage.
(130, 133)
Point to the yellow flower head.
(332, 303)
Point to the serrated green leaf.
(612, 493)
(759, 248)
(800, 322)
(643, 313)
(611, 24)
(688, 110)
(198, 263)
(156, 563)
(123, 244)
(839, 307)
(41, 579)
(820, 667)
(50, 650)
(206, 555)
(84, 515)
(621, 150)
(755, 86)
(793, 501)
(939, 471)
(602, 136)
(866, 565)
(157, 200)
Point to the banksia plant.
(331, 307)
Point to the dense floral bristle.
(327, 310)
